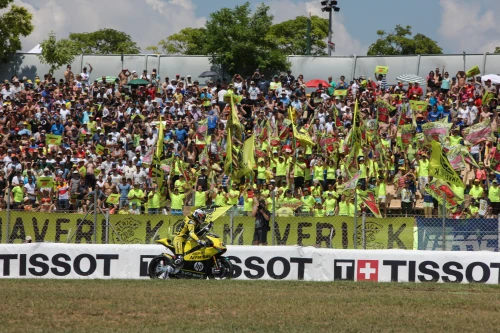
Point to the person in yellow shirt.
(219, 197)
(154, 201)
(476, 190)
(330, 204)
(281, 167)
(249, 198)
(307, 200)
(177, 201)
(233, 195)
(200, 197)
(261, 174)
(319, 211)
(299, 172)
(343, 206)
(136, 195)
(423, 172)
(182, 184)
(494, 196)
(317, 190)
(124, 210)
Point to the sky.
(456, 25)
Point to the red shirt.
(416, 91)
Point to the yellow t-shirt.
(177, 201)
(200, 199)
(220, 199)
(154, 200)
(298, 171)
(261, 172)
(138, 193)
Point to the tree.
(398, 42)
(236, 39)
(104, 41)
(57, 53)
(291, 35)
(15, 23)
(497, 49)
(188, 41)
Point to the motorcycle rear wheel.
(156, 265)
(226, 268)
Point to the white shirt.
(30, 188)
(464, 113)
(473, 111)
(253, 91)
(64, 113)
(221, 95)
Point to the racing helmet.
(199, 216)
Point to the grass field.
(245, 306)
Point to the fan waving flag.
(301, 133)
(439, 167)
(368, 198)
(213, 212)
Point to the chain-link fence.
(105, 225)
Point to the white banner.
(79, 261)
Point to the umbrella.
(208, 74)
(138, 82)
(493, 77)
(412, 78)
(316, 82)
(108, 79)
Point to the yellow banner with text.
(335, 232)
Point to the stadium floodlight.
(330, 6)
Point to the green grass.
(245, 306)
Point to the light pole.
(330, 6)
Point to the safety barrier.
(352, 66)
(83, 261)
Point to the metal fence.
(26, 64)
(237, 227)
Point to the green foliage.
(235, 39)
(399, 42)
(57, 53)
(104, 41)
(291, 35)
(188, 41)
(14, 23)
(497, 49)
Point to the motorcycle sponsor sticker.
(198, 266)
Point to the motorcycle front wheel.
(156, 266)
(224, 272)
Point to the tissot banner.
(86, 261)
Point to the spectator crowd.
(68, 142)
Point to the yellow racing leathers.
(188, 230)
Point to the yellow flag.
(159, 142)
(439, 166)
(248, 153)
(229, 153)
(300, 134)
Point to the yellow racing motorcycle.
(199, 262)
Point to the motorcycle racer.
(191, 225)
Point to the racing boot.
(179, 261)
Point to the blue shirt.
(124, 189)
(212, 121)
(285, 101)
(181, 135)
(433, 116)
(57, 129)
(420, 122)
